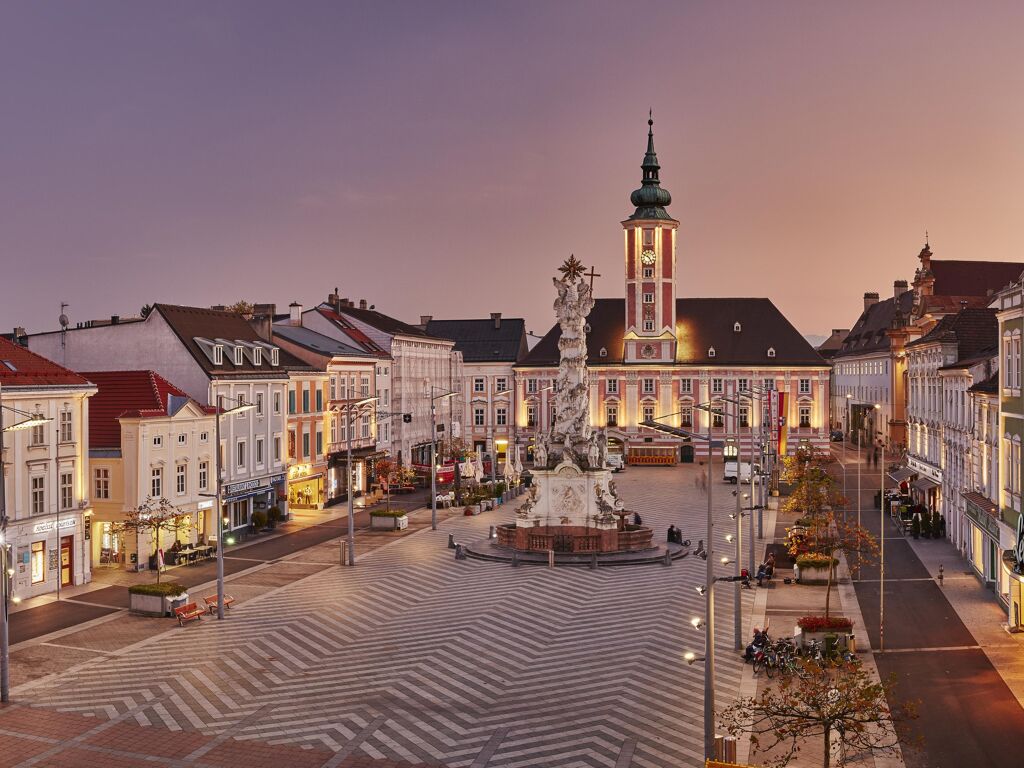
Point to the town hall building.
(657, 355)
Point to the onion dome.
(650, 200)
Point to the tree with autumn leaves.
(154, 516)
(838, 703)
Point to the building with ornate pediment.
(657, 354)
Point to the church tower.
(650, 243)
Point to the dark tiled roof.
(700, 324)
(21, 368)
(973, 330)
(970, 360)
(129, 393)
(191, 322)
(973, 278)
(374, 318)
(989, 386)
(869, 332)
(316, 342)
(480, 342)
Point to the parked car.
(740, 473)
(837, 436)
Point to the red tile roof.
(21, 368)
(127, 393)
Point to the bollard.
(515, 558)
(593, 561)
(493, 532)
(460, 552)
(344, 553)
(668, 556)
(551, 558)
(940, 574)
(451, 541)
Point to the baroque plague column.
(573, 505)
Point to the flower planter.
(155, 605)
(806, 575)
(389, 522)
(843, 638)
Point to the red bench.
(188, 612)
(211, 602)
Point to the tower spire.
(650, 200)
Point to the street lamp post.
(218, 470)
(352, 408)
(881, 511)
(433, 451)
(709, 601)
(33, 420)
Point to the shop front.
(306, 489)
(47, 550)
(362, 462)
(983, 535)
(241, 499)
(925, 491)
(113, 547)
(1013, 576)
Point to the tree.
(832, 536)
(154, 516)
(814, 489)
(837, 700)
(242, 307)
(146, 309)
(453, 449)
(389, 473)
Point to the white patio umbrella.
(519, 464)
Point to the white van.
(744, 472)
(613, 461)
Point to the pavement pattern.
(416, 658)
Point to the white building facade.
(46, 485)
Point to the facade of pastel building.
(213, 356)
(655, 354)
(489, 349)
(147, 440)
(347, 371)
(47, 498)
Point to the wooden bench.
(211, 602)
(188, 612)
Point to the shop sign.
(50, 525)
(983, 520)
(205, 505)
(233, 489)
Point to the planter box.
(844, 637)
(155, 605)
(812, 575)
(399, 523)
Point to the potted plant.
(926, 524)
(273, 516)
(158, 599)
(259, 520)
(389, 519)
(819, 628)
(814, 567)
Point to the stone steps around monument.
(487, 550)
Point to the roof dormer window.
(238, 355)
(257, 356)
(736, 327)
(711, 351)
(274, 356)
(603, 352)
(771, 351)
(218, 354)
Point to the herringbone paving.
(413, 656)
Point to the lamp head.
(698, 622)
(701, 589)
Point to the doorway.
(67, 563)
(686, 453)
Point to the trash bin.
(174, 603)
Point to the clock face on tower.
(648, 257)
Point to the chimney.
(870, 299)
(20, 337)
(219, 307)
(362, 303)
(899, 288)
(115, 319)
(332, 298)
(295, 314)
(263, 320)
(342, 303)
(424, 319)
(496, 318)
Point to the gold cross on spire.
(572, 268)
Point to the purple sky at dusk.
(443, 158)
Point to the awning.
(902, 474)
(925, 484)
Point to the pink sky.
(443, 158)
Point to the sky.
(443, 158)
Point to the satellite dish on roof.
(63, 319)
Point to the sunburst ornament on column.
(572, 269)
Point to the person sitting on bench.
(766, 569)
